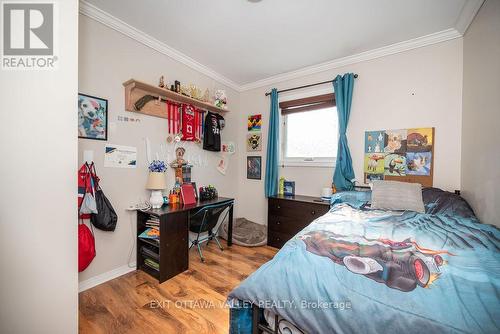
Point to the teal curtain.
(272, 161)
(344, 174)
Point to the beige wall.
(107, 59)
(481, 114)
(38, 221)
(418, 88)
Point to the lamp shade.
(156, 181)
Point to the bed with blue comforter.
(358, 270)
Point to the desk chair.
(204, 225)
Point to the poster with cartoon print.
(374, 163)
(418, 163)
(419, 140)
(374, 141)
(395, 164)
(395, 141)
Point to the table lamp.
(156, 183)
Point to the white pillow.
(394, 195)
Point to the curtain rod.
(311, 85)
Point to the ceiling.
(245, 41)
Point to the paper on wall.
(222, 164)
(148, 149)
(117, 156)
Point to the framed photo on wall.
(254, 167)
(92, 117)
(254, 141)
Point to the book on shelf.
(153, 242)
(150, 233)
(152, 264)
(150, 253)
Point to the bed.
(360, 270)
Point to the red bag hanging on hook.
(86, 246)
(86, 241)
(188, 122)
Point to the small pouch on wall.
(83, 184)
(88, 204)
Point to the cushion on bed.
(440, 202)
(354, 198)
(393, 195)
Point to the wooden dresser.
(287, 215)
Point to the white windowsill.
(316, 164)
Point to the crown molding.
(411, 44)
(469, 11)
(114, 23)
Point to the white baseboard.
(104, 277)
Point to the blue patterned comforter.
(370, 271)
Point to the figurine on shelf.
(206, 96)
(185, 90)
(179, 157)
(177, 84)
(162, 82)
(220, 99)
(181, 166)
(194, 92)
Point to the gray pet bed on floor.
(245, 233)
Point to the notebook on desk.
(187, 193)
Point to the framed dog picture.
(92, 117)
(254, 167)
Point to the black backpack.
(106, 218)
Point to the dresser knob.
(279, 207)
(277, 223)
(313, 212)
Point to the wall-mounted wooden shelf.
(134, 90)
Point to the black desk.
(173, 248)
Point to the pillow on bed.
(354, 198)
(442, 202)
(393, 195)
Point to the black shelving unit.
(170, 251)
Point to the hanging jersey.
(188, 122)
(211, 135)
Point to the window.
(309, 131)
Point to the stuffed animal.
(220, 99)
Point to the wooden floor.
(192, 302)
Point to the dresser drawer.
(288, 216)
(277, 239)
(286, 224)
(296, 209)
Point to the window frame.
(325, 162)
